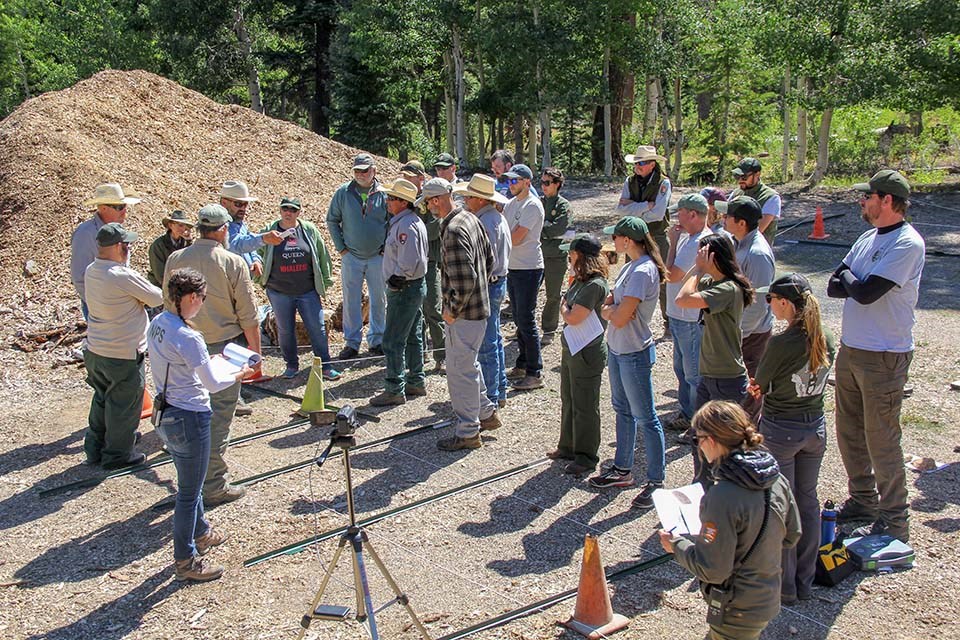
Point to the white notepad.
(580, 335)
(679, 509)
(226, 367)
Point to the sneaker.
(576, 469)
(454, 443)
(528, 383)
(851, 511)
(387, 399)
(290, 372)
(192, 569)
(644, 499)
(876, 528)
(209, 540)
(375, 351)
(332, 374)
(516, 373)
(491, 423)
(131, 459)
(556, 454)
(232, 493)
(612, 477)
(347, 353)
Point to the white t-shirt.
(637, 279)
(887, 324)
(526, 213)
(687, 247)
(772, 206)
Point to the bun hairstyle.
(182, 283)
(728, 424)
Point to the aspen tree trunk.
(823, 148)
(800, 159)
(246, 52)
(607, 131)
(459, 86)
(678, 126)
(785, 157)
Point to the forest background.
(829, 90)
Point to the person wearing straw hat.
(235, 198)
(178, 236)
(404, 266)
(357, 223)
(480, 197)
(111, 206)
(645, 195)
(747, 173)
(115, 348)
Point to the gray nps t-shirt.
(637, 279)
(526, 213)
(173, 344)
(687, 247)
(756, 260)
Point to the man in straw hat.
(229, 315)
(116, 345)
(111, 206)
(646, 195)
(465, 262)
(357, 222)
(235, 198)
(404, 266)
(480, 197)
(178, 236)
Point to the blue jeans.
(493, 363)
(523, 286)
(631, 389)
(285, 310)
(187, 436)
(686, 362)
(354, 271)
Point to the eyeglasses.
(117, 207)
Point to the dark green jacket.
(318, 251)
(555, 223)
(160, 250)
(761, 193)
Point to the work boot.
(528, 383)
(209, 540)
(491, 423)
(192, 569)
(375, 351)
(516, 373)
(454, 443)
(243, 409)
(347, 353)
(415, 391)
(576, 469)
(556, 454)
(387, 399)
(851, 511)
(230, 494)
(131, 459)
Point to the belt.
(809, 416)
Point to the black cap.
(584, 243)
(113, 233)
(791, 286)
(741, 208)
(746, 166)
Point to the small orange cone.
(147, 410)
(593, 616)
(819, 231)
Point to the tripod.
(356, 537)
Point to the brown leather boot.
(209, 540)
(192, 569)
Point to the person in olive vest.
(646, 195)
(556, 210)
(178, 236)
(748, 179)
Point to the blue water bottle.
(828, 523)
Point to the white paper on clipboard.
(580, 335)
(226, 367)
(679, 509)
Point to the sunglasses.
(395, 199)
(547, 183)
(367, 170)
(513, 180)
(771, 297)
(643, 163)
(117, 207)
(290, 209)
(239, 204)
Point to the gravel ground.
(96, 563)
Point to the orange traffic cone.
(593, 616)
(819, 231)
(147, 410)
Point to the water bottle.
(828, 523)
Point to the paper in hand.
(226, 368)
(679, 509)
(580, 335)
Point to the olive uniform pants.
(580, 376)
(402, 341)
(432, 316)
(554, 269)
(223, 404)
(115, 408)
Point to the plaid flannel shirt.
(465, 262)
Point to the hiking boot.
(528, 383)
(576, 469)
(851, 511)
(644, 499)
(454, 443)
(132, 458)
(347, 353)
(612, 477)
(879, 527)
(415, 391)
(230, 494)
(556, 454)
(440, 368)
(546, 338)
(516, 373)
(192, 569)
(375, 351)
(679, 422)
(243, 409)
(387, 399)
(209, 540)
(491, 423)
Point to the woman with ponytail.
(748, 516)
(184, 379)
(791, 377)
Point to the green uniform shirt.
(784, 377)
(720, 353)
(432, 223)
(589, 294)
(556, 212)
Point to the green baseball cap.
(692, 201)
(114, 233)
(886, 181)
(629, 226)
(290, 203)
(584, 243)
(747, 165)
(413, 168)
(444, 160)
(214, 216)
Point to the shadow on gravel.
(937, 490)
(34, 454)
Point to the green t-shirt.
(589, 294)
(720, 353)
(784, 374)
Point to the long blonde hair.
(808, 316)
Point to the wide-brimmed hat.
(481, 186)
(180, 217)
(236, 190)
(432, 188)
(110, 193)
(401, 189)
(644, 152)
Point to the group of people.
(440, 255)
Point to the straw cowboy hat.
(644, 152)
(110, 193)
(177, 216)
(236, 190)
(401, 189)
(481, 186)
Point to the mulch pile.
(171, 146)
